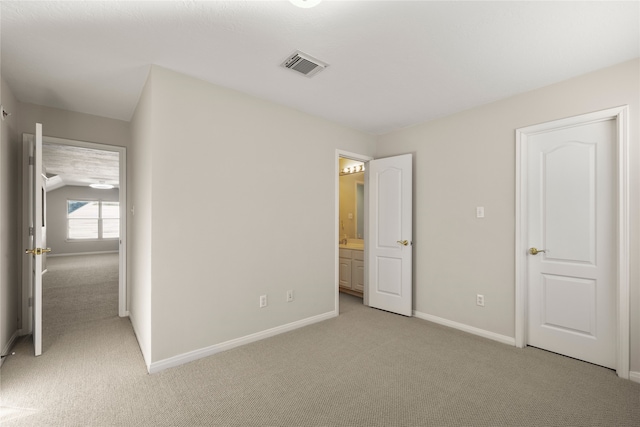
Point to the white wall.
(143, 134)
(57, 220)
(468, 160)
(231, 218)
(72, 125)
(10, 254)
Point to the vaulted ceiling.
(392, 64)
(70, 165)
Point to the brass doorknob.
(403, 242)
(37, 251)
(534, 251)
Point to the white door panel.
(558, 289)
(388, 271)
(36, 223)
(570, 215)
(571, 211)
(390, 223)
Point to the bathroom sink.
(358, 246)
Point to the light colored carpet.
(78, 290)
(364, 368)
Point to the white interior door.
(571, 199)
(36, 225)
(389, 236)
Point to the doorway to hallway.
(84, 185)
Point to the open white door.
(36, 225)
(389, 237)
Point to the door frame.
(620, 115)
(122, 253)
(360, 158)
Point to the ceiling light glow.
(305, 4)
(101, 186)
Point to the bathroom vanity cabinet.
(351, 271)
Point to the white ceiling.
(392, 63)
(71, 165)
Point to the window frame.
(99, 219)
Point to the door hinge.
(31, 162)
(30, 301)
(30, 231)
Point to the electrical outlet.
(263, 301)
(480, 300)
(289, 296)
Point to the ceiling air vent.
(305, 64)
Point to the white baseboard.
(633, 375)
(466, 328)
(82, 253)
(7, 348)
(145, 357)
(181, 359)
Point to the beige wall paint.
(234, 220)
(10, 207)
(468, 160)
(143, 134)
(57, 220)
(72, 125)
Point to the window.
(93, 220)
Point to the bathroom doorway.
(351, 230)
(376, 264)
